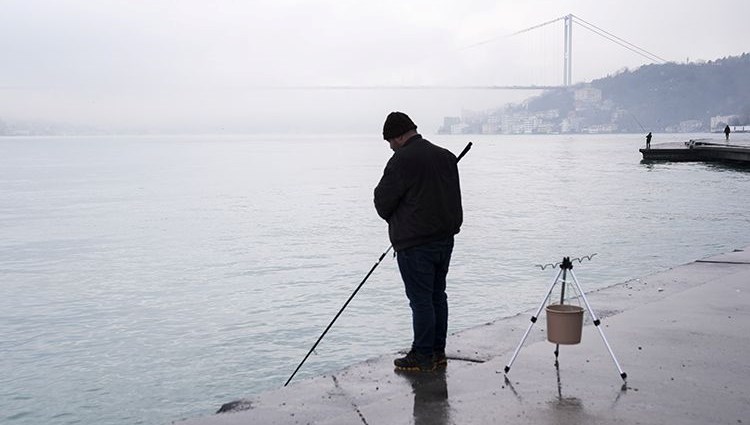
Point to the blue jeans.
(423, 269)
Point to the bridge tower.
(568, 58)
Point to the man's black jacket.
(419, 194)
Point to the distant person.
(648, 140)
(420, 198)
(727, 130)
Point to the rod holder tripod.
(566, 267)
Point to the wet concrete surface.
(680, 335)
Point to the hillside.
(662, 96)
(671, 97)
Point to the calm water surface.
(147, 279)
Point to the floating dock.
(699, 150)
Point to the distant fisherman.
(648, 140)
(420, 198)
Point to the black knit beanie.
(396, 124)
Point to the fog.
(226, 66)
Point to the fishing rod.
(461, 155)
(636, 120)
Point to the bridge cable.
(510, 35)
(651, 58)
(615, 39)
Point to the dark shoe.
(415, 362)
(440, 359)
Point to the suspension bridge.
(569, 21)
(567, 58)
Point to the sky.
(225, 66)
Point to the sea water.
(148, 279)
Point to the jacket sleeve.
(389, 191)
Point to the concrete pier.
(681, 336)
(699, 150)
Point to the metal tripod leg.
(597, 322)
(533, 320)
(562, 301)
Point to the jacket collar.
(411, 139)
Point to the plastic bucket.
(564, 323)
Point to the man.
(420, 198)
(648, 140)
(727, 130)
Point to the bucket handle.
(577, 298)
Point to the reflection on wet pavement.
(430, 389)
